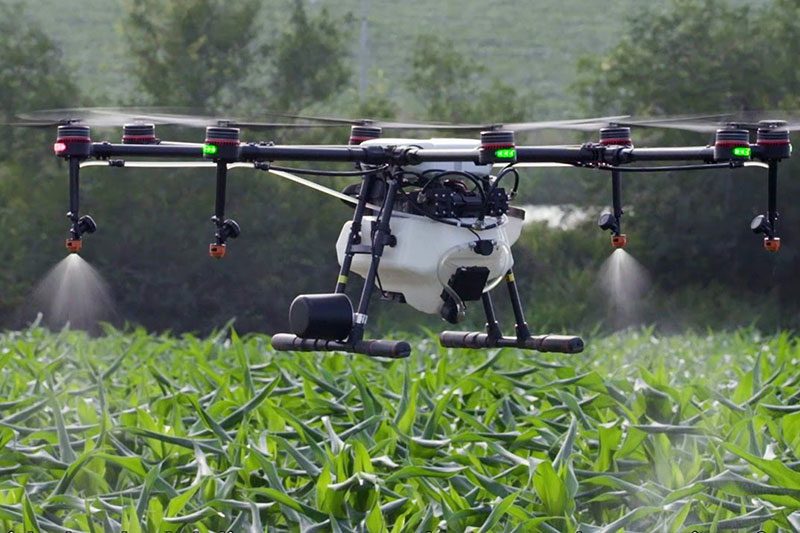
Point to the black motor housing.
(321, 316)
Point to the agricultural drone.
(432, 226)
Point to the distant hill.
(532, 44)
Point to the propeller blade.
(515, 126)
(388, 124)
(587, 124)
(116, 117)
(711, 123)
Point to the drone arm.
(377, 155)
(344, 154)
(686, 153)
(106, 149)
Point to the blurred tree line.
(691, 231)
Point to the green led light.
(742, 151)
(505, 153)
(210, 149)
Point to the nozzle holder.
(73, 141)
(225, 143)
(619, 241)
(217, 251)
(84, 224)
(761, 225)
(359, 134)
(139, 133)
(772, 139)
(226, 229)
(727, 141)
(608, 222)
(772, 244)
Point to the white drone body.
(428, 253)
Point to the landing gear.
(329, 322)
(324, 317)
(523, 339)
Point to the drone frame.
(222, 147)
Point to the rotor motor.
(616, 136)
(772, 138)
(221, 143)
(73, 140)
(139, 133)
(731, 144)
(359, 134)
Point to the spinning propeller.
(119, 116)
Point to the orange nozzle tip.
(772, 245)
(619, 241)
(217, 251)
(74, 245)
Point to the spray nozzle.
(613, 221)
(608, 222)
(80, 225)
(74, 245)
(761, 225)
(619, 241)
(226, 229)
(217, 251)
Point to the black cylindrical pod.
(221, 144)
(773, 140)
(616, 136)
(732, 144)
(359, 134)
(73, 140)
(139, 133)
(497, 146)
(321, 316)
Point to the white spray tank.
(428, 253)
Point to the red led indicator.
(59, 147)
